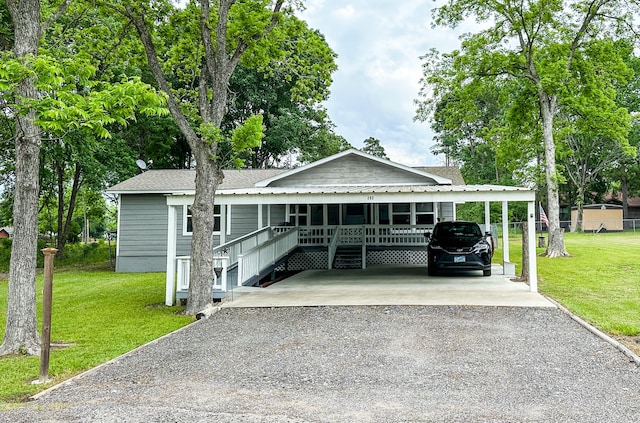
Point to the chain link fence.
(629, 225)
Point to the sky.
(379, 44)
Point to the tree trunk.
(207, 180)
(579, 209)
(624, 191)
(21, 335)
(65, 228)
(555, 247)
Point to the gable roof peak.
(354, 152)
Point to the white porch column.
(260, 219)
(531, 243)
(227, 219)
(487, 216)
(508, 268)
(505, 231)
(172, 227)
(269, 214)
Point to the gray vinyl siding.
(244, 219)
(142, 239)
(351, 170)
(278, 214)
(446, 211)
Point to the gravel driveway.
(359, 364)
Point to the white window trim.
(185, 209)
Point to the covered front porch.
(245, 260)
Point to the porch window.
(383, 214)
(401, 214)
(298, 214)
(424, 214)
(333, 214)
(317, 214)
(187, 221)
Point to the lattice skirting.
(317, 260)
(396, 257)
(307, 260)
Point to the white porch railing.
(234, 248)
(382, 235)
(333, 246)
(225, 256)
(253, 262)
(183, 266)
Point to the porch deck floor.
(389, 285)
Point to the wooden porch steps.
(348, 257)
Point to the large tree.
(54, 95)
(192, 54)
(372, 146)
(562, 52)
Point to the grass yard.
(98, 315)
(600, 282)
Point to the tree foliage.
(558, 58)
(193, 53)
(372, 146)
(51, 94)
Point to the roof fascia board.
(344, 198)
(161, 192)
(479, 195)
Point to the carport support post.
(505, 231)
(487, 216)
(531, 243)
(170, 282)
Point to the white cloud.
(379, 44)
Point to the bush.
(95, 252)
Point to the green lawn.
(600, 282)
(100, 315)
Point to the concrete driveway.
(389, 285)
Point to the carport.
(389, 285)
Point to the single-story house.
(348, 210)
(633, 205)
(6, 232)
(598, 217)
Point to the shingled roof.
(183, 181)
(449, 172)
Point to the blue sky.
(379, 44)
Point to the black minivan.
(459, 245)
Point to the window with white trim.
(187, 221)
(425, 214)
(298, 214)
(401, 214)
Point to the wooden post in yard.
(47, 302)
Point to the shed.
(598, 217)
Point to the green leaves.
(70, 100)
(246, 136)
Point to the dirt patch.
(631, 342)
